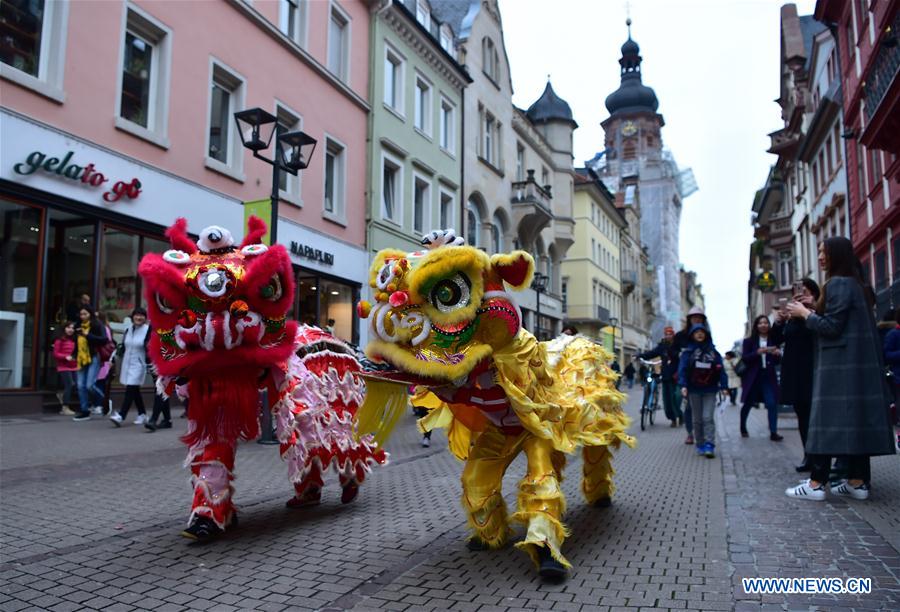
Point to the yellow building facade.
(591, 273)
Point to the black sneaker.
(202, 529)
(150, 426)
(82, 416)
(550, 569)
(164, 425)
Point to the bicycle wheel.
(648, 392)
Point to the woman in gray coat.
(849, 415)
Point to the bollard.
(266, 431)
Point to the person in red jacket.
(65, 352)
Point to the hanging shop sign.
(301, 250)
(765, 282)
(87, 175)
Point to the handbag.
(106, 351)
(740, 368)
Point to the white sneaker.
(426, 442)
(116, 418)
(804, 491)
(141, 419)
(845, 489)
(97, 410)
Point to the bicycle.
(650, 402)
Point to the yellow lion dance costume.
(443, 319)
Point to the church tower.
(633, 160)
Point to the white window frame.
(397, 105)
(218, 73)
(52, 55)
(301, 33)
(294, 184)
(423, 15)
(446, 36)
(422, 113)
(447, 129)
(397, 163)
(427, 204)
(343, 72)
(339, 183)
(449, 196)
(157, 34)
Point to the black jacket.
(669, 353)
(796, 361)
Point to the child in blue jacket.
(701, 374)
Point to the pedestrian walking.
(668, 354)
(849, 415)
(700, 376)
(133, 367)
(734, 381)
(760, 382)
(90, 335)
(629, 374)
(892, 360)
(797, 361)
(695, 316)
(65, 351)
(104, 376)
(615, 367)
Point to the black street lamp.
(293, 151)
(539, 284)
(613, 321)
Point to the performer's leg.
(482, 479)
(597, 482)
(541, 503)
(212, 475)
(308, 492)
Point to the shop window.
(335, 162)
(339, 43)
(224, 152)
(144, 77)
(34, 44)
(293, 19)
(307, 300)
(289, 184)
(421, 204)
(20, 242)
(336, 308)
(119, 257)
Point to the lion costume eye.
(272, 290)
(164, 305)
(451, 293)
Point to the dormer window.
(423, 15)
(446, 39)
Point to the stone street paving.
(91, 515)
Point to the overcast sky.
(715, 69)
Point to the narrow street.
(91, 515)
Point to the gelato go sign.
(87, 175)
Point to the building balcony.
(531, 206)
(629, 281)
(784, 142)
(881, 91)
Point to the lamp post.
(539, 284)
(613, 321)
(293, 150)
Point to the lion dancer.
(445, 318)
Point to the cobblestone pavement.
(90, 515)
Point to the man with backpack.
(701, 375)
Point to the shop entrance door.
(70, 274)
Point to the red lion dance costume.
(221, 335)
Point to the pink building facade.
(118, 116)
